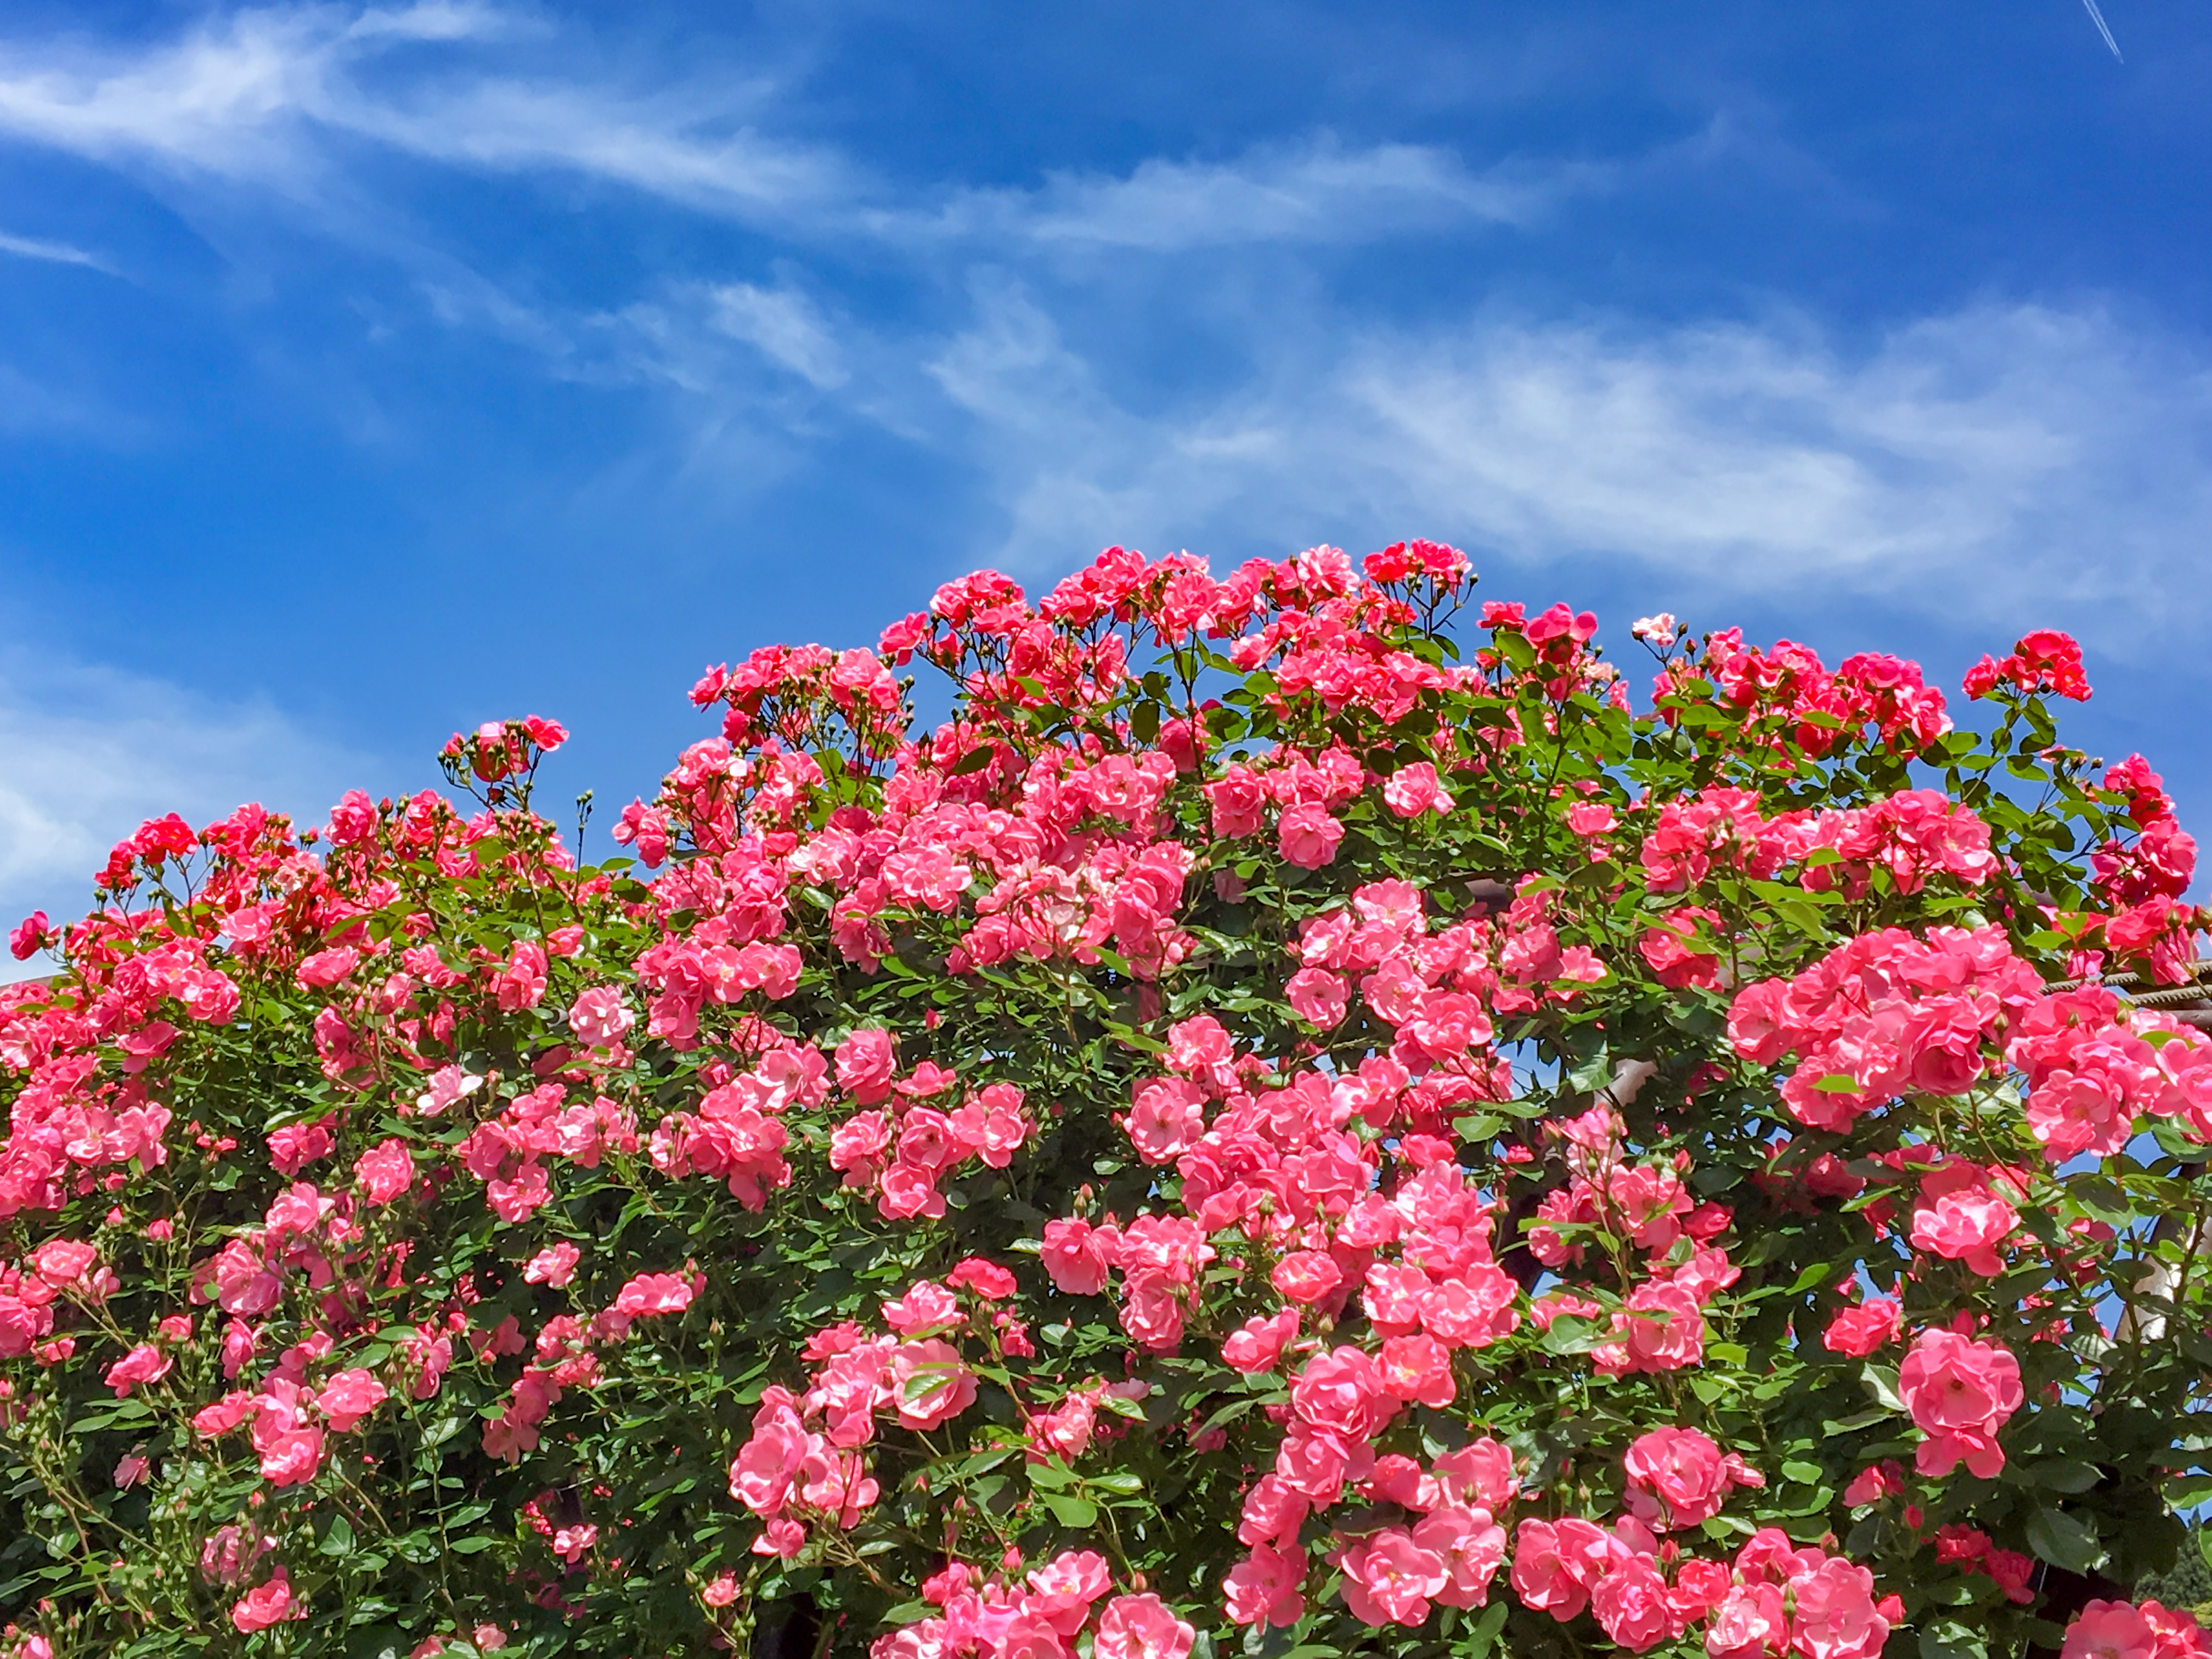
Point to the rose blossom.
(1959, 1392)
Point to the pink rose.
(1273, 1512)
(1075, 1256)
(1859, 1331)
(1472, 1547)
(1141, 1627)
(144, 1364)
(2110, 1630)
(1836, 1617)
(765, 1466)
(929, 1385)
(866, 1064)
(265, 1605)
(1632, 1606)
(1308, 836)
(1306, 1276)
(1257, 1344)
(1318, 997)
(1341, 1391)
(1390, 1579)
(1555, 1564)
(1684, 1472)
(1966, 1226)
(384, 1170)
(1263, 1588)
(348, 1397)
(1239, 799)
(1959, 1392)
(555, 1265)
(600, 1016)
(1417, 1368)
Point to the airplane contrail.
(2103, 28)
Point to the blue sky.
(367, 373)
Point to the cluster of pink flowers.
(1325, 1170)
(1039, 1616)
(1806, 704)
(900, 1145)
(2044, 660)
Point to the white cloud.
(784, 326)
(2005, 464)
(267, 94)
(89, 752)
(1316, 193)
(259, 94)
(60, 254)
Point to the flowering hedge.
(1297, 1120)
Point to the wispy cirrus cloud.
(1318, 191)
(2000, 464)
(87, 752)
(59, 253)
(262, 94)
(276, 94)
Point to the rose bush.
(1296, 1119)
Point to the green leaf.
(1484, 1636)
(339, 1539)
(2067, 1474)
(1071, 1511)
(2065, 1540)
(1882, 1379)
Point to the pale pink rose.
(1264, 1588)
(1859, 1331)
(929, 1383)
(1257, 1344)
(1749, 1623)
(1308, 836)
(1961, 1392)
(1306, 1276)
(265, 1605)
(1166, 1116)
(1412, 790)
(927, 1305)
(1141, 1627)
(1075, 1256)
(1390, 1579)
(2110, 1630)
(555, 1265)
(866, 1064)
(1473, 1548)
(1631, 1606)
(1835, 1616)
(348, 1397)
(600, 1016)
